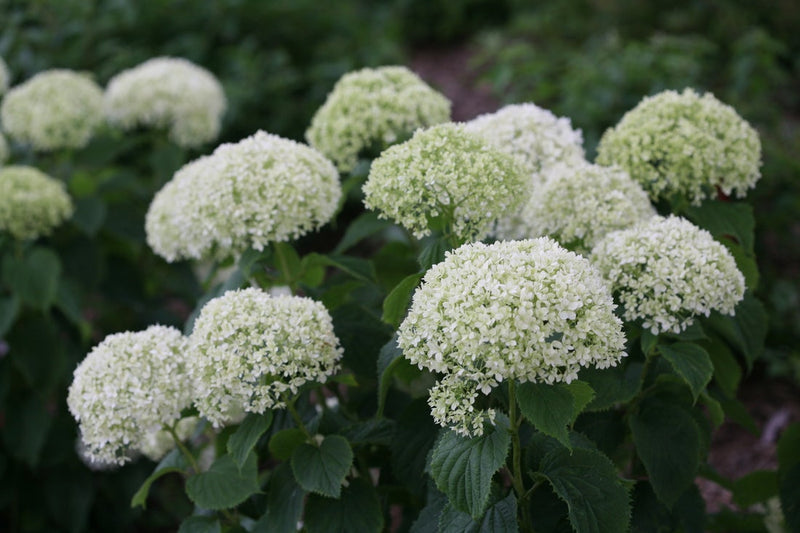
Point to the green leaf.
(789, 447)
(415, 436)
(174, 461)
(322, 469)
(755, 487)
(463, 467)
(428, 519)
(285, 500)
(668, 443)
(690, 511)
(34, 278)
(715, 411)
(283, 443)
(747, 330)
(241, 443)
(582, 395)
(388, 358)
(25, 431)
(362, 227)
(648, 341)
(396, 303)
(726, 221)
(727, 371)
(362, 335)
(613, 385)
(790, 496)
(588, 483)
(690, 362)
(224, 485)
(373, 431)
(550, 408)
(200, 524)
(433, 249)
(358, 510)
(360, 269)
(90, 213)
(9, 307)
(499, 518)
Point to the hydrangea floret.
(667, 271)
(32, 203)
(171, 93)
(5, 77)
(513, 310)
(249, 349)
(128, 387)
(262, 189)
(373, 109)
(54, 109)
(445, 173)
(580, 202)
(684, 144)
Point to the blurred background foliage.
(590, 60)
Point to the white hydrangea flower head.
(32, 203)
(157, 444)
(666, 271)
(171, 93)
(580, 202)
(54, 109)
(4, 151)
(523, 310)
(129, 386)
(5, 77)
(684, 144)
(248, 348)
(373, 108)
(444, 171)
(245, 195)
(536, 137)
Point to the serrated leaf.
(463, 467)
(550, 408)
(34, 278)
(755, 487)
(433, 250)
(396, 303)
(322, 469)
(668, 443)
(582, 395)
(727, 371)
(282, 444)
(588, 483)
(747, 330)
(358, 509)
(224, 485)
(174, 461)
(363, 226)
(415, 435)
(241, 443)
(725, 221)
(715, 411)
(388, 358)
(285, 500)
(690, 362)
(360, 269)
(613, 385)
(499, 518)
(200, 524)
(372, 431)
(428, 519)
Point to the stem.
(295, 415)
(184, 450)
(284, 267)
(516, 458)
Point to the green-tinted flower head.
(444, 172)
(130, 386)
(54, 109)
(249, 348)
(170, 93)
(373, 109)
(578, 203)
(684, 144)
(5, 77)
(245, 195)
(666, 271)
(523, 310)
(32, 203)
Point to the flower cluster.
(32, 203)
(5, 77)
(129, 386)
(248, 348)
(374, 108)
(684, 144)
(262, 189)
(171, 93)
(524, 310)
(54, 109)
(666, 271)
(534, 136)
(580, 202)
(445, 172)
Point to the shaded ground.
(773, 404)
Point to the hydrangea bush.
(385, 361)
